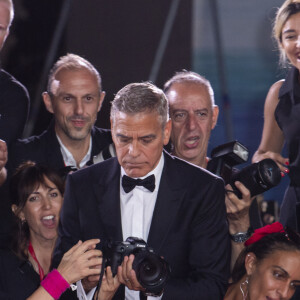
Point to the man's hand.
(127, 276)
(237, 216)
(238, 209)
(109, 285)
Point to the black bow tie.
(129, 183)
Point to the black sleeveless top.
(287, 115)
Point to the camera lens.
(151, 271)
(258, 177)
(269, 173)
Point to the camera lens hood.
(151, 270)
(258, 177)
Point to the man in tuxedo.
(176, 207)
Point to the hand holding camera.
(137, 266)
(127, 275)
(238, 209)
(257, 178)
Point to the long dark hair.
(279, 241)
(27, 178)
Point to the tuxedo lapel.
(107, 191)
(170, 196)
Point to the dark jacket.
(14, 107)
(188, 228)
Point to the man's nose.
(191, 122)
(78, 107)
(134, 149)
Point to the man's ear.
(102, 96)
(250, 263)
(215, 114)
(167, 131)
(48, 102)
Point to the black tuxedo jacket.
(188, 228)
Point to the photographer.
(194, 115)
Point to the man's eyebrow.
(204, 108)
(201, 110)
(65, 94)
(179, 109)
(148, 136)
(122, 136)
(90, 94)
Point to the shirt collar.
(68, 157)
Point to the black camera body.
(151, 270)
(258, 177)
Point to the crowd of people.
(69, 193)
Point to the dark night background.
(119, 37)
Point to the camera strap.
(101, 276)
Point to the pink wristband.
(55, 284)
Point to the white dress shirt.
(137, 209)
(68, 157)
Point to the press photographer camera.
(152, 271)
(258, 177)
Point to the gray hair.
(140, 98)
(190, 77)
(72, 62)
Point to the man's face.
(139, 140)
(193, 118)
(75, 103)
(4, 22)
